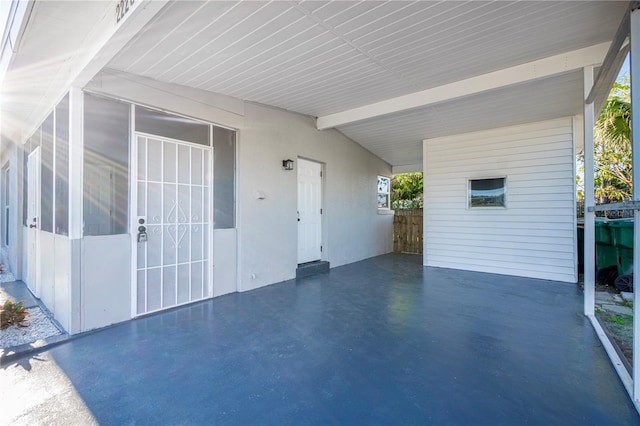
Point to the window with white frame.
(384, 192)
(487, 192)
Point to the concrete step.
(312, 268)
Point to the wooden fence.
(407, 231)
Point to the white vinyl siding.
(534, 236)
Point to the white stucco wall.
(266, 229)
(352, 228)
(535, 235)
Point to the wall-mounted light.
(287, 164)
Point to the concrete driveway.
(383, 341)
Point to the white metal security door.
(173, 223)
(33, 221)
(309, 211)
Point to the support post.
(76, 157)
(589, 200)
(635, 152)
(76, 160)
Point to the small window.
(224, 178)
(487, 192)
(171, 126)
(384, 189)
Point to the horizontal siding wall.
(535, 235)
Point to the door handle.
(142, 234)
(32, 226)
(298, 216)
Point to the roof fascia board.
(116, 37)
(606, 79)
(529, 71)
(614, 59)
(111, 36)
(14, 29)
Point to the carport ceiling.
(320, 58)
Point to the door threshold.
(312, 268)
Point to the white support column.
(635, 150)
(589, 200)
(76, 160)
(76, 157)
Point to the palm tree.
(612, 134)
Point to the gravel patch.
(7, 277)
(38, 327)
(616, 315)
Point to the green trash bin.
(603, 234)
(625, 261)
(622, 233)
(606, 254)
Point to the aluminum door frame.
(33, 221)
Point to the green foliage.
(406, 191)
(620, 320)
(612, 134)
(12, 314)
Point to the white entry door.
(173, 210)
(33, 221)
(309, 211)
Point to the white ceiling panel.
(309, 50)
(397, 138)
(368, 18)
(319, 58)
(323, 57)
(161, 33)
(254, 48)
(336, 12)
(308, 56)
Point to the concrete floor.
(383, 341)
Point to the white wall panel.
(106, 279)
(24, 255)
(225, 249)
(62, 280)
(534, 236)
(47, 270)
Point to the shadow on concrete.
(23, 362)
(17, 291)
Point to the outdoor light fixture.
(287, 164)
